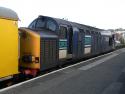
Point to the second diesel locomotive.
(49, 42)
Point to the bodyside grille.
(48, 53)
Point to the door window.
(63, 32)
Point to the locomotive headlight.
(33, 59)
(30, 59)
(36, 59)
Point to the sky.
(104, 14)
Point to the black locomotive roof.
(43, 33)
(62, 22)
(47, 34)
(58, 21)
(73, 24)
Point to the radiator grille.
(48, 53)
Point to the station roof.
(6, 13)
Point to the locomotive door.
(87, 43)
(70, 42)
(76, 43)
(80, 43)
(63, 42)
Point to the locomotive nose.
(29, 49)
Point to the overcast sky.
(105, 14)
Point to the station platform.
(100, 75)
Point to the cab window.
(40, 23)
(63, 32)
(51, 25)
(32, 25)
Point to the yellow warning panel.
(29, 47)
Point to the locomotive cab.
(38, 46)
(46, 39)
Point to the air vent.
(48, 53)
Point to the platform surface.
(104, 75)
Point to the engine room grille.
(48, 53)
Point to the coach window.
(63, 32)
(51, 25)
(40, 23)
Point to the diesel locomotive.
(46, 43)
